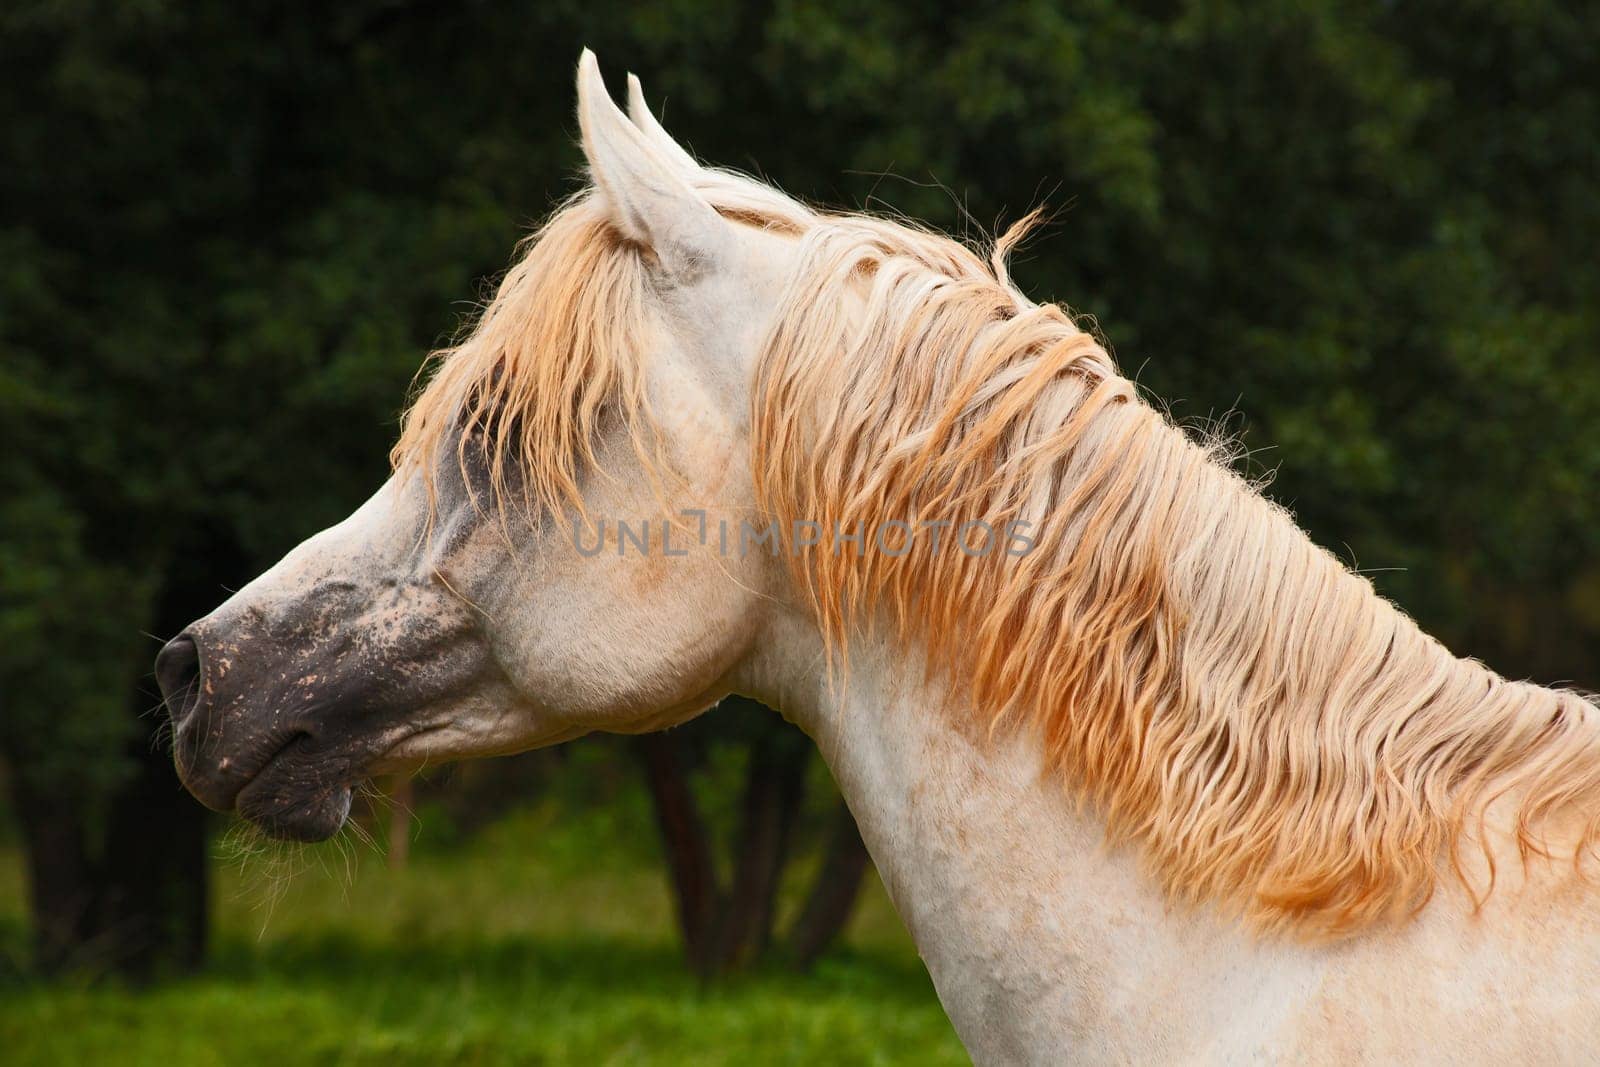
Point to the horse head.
(538, 564)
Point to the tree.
(228, 233)
(175, 358)
(729, 923)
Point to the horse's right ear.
(643, 188)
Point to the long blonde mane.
(1272, 734)
(550, 360)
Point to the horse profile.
(1148, 775)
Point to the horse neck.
(1040, 939)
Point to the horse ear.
(645, 190)
(659, 138)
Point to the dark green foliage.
(229, 232)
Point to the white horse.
(1148, 776)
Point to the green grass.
(533, 942)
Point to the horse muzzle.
(280, 705)
(257, 746)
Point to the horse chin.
(289, 814)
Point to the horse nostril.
(178, 675)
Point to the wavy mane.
(1272, 734)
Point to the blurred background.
(1362, 235)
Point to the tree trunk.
(152, 878)
(774, 787)
(833, 896)
(725, 928)
(153, 875)
(61, 895)
(140, 904)
(687, 846)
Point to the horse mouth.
(297, 796)
(304, 790)
(305, 819)
(294, 786)
(297, 791)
